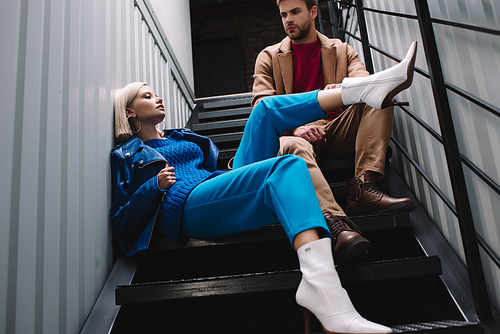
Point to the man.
(307, 60)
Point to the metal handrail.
(454, 164)
(461, 208)
(481, 103)
(486, 179)
(426, 177)
(335, 20)
(467, 26)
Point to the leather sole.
(353, 251)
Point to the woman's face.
(147, 106)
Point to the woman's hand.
(166, 177)
(333, 86)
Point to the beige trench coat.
(273, 73)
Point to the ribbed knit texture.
(187, 158)
(308, 71)
(307, 67)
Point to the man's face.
(297, 20)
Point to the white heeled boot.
(378, 90)
(321, 293)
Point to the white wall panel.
(175, 17)
(61, 62)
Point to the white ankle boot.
(378, 90)
(321, 293)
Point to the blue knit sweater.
(187, 158)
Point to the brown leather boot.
(365, 197)
(348, 245)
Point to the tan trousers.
(361, 131)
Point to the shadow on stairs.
(411, 280)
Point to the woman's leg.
(275, 115)
(259, 194)
(254, 196)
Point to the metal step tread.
(443, 326)
(275, 232)
(227, 153)
(224, 102)
(226, 113)
(272, 281)
(220, 125)
(226, 137)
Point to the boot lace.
(338, 225)
(369, 187)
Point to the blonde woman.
(170, 179)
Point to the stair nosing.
(272, 281)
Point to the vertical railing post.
(320, 20)
(364, 36)
(462, 204)
(335, 19)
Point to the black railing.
(335, 19)
(448, 138)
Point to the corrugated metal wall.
(60, 63)
(471, 61)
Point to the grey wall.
(60, 64)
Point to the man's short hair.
(309, 3)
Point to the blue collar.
(131, 146)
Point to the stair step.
(220, 126)
(207, 115)
(225, 154)
(335, 164)
(445, 326)
(378, 222)
(225, 102)
(224, 137)
(257, 313)
(273, 233)
(225, 140)
(272, 281)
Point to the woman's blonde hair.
(123, 99)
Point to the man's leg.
(365, 131)
(347, 242)
(361, 131)
(302, 148)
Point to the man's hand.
(312, 133)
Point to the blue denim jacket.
(136, 195)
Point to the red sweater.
(307, 69)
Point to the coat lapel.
(285, 59)
(328, 60)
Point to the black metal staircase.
(246, 283)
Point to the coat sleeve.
(131, 209)
(355, 67)
(263, 81)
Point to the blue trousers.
(262, 189)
